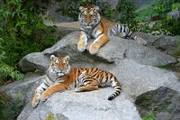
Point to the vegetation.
(150, 116)
(158, 9)
(22, 31)
(50, 116)
(10, 109)
(177, 50)
(126, 9)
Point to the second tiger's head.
(59, 65)
(89, 16)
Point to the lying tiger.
(60, 76)
(92, 25)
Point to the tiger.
(92, 25)
(60, 77)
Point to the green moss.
(177, 50)
(50, 116)
(172, 66)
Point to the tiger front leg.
(36, 99)
(52, 89)
(37, 95)
(82, 42)
(98, 43)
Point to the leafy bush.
(22, 31)
(127, 9)
(159, 9)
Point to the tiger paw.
(77, 89)
(35, 102)
(94, 48)
(44, 97)
(81, 46)
(142, 41)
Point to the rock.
(115, 50)
(164, 43)
(25, 88)
(167, 43)
(164, 102)
(80, 106)
(175, 14)
(34, 61)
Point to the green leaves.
(175, 6)
(157, 11)
(127, 13)
(22, 31)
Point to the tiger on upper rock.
(93, 25)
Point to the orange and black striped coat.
(60, 76)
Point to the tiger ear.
(67, 58)
(52, 57)
(81, 8)
(97, 8)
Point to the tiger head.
(59, 65)
(89, 16)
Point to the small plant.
(10, 109)
(50, 116)
(150, 116)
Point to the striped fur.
(92, 25)
(60, 76)
(98, 78)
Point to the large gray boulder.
(83, 106)
(163, 102)
(115, 50)
(166, 44)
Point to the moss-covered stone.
(161, 100)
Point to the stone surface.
(24, 88)
(83, 106)
(115, 50)
(167, 44)
(175, 14)
(164, 43)
(34, 61)
(164, 102)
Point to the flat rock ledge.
(115, 50)
(83, 106)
